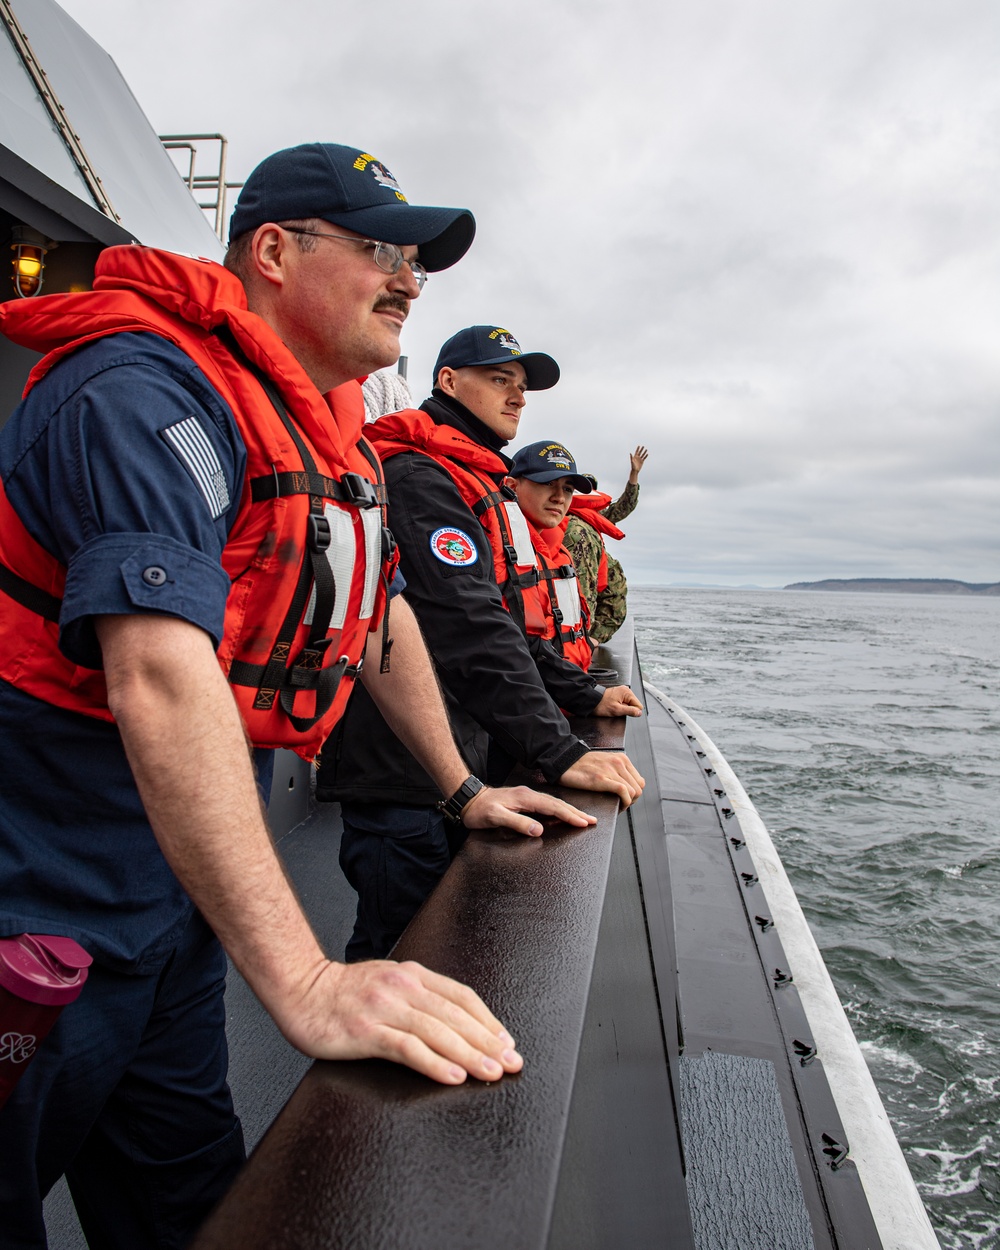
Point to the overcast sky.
(760, 237)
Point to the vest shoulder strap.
(29, 596)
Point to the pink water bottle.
(39, 975)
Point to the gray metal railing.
(579, 1147)
(214, 183)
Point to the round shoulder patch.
(453, 546)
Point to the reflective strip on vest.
(341, 558)
(568, 600)
(520, 536)
(371, 519)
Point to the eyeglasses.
(387, 256)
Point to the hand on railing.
(502, 809)
(618, 701)
(404, 1013)
(605, 770)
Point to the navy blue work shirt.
(127, 466)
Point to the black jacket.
(503, 691)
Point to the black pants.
(393, 857)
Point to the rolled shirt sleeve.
(122, 574)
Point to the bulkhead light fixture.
(28, 264)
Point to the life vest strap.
(29, 596)
(351, 489)
(303, 674)
(492, 499)
(561, 573)
(326, 687)
(307, 673)
(315, 568)
(520, 581)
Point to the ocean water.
(866, 728)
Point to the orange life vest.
(587, 508)
(295, 631)
(554, 607)
(522, 572)
(474, 469)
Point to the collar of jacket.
(447, 411)
(414, 429)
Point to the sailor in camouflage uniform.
(602, 580)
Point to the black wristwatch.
(451, 808)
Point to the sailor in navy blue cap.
(349, 304)
(351, 189)
(547, 462)
(221, 490)
(467, 556)
(493, 345)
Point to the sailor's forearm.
(188, 752)
(186, 745)
(410, 700)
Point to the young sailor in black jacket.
(464, 546)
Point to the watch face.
(468, 790)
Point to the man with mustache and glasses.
(467, 555)
(193, 556)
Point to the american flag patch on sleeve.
(194, 450)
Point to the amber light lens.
(28, 263)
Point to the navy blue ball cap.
(546, 461)
(349, 188)
(493, 345)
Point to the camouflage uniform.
(624, 505)
(584, 543)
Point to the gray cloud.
(761, 239)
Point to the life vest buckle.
(319, 534)
(358, 491)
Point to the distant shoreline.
(901, 585)
(859, 585)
